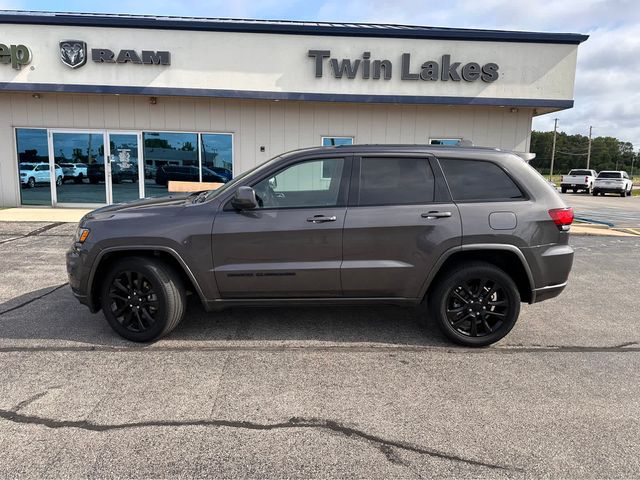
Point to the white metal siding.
(278, 126)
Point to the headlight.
(81, 235)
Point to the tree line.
(607, 153)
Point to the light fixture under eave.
(153, 100)
(36, 95)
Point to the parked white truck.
(613, 181)
(577, 180)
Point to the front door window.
(314, 183)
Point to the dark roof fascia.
(285, 27)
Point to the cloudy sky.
(607, 92)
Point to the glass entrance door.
(123, 167)
(77, 158)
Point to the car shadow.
(55, 318)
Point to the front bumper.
(78, 273)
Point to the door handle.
(321, 219)
(433, 214)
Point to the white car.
(33, 173)
(578, 179)
(74, 171)
(613, 181)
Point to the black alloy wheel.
(133, 301)
(475, 303)
(477, 307)
(31, 183)
(142, 298)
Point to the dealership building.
(97, 108)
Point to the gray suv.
(466, 233)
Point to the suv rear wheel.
(143, 299)
(475, 304)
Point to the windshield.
(609, 175)
(231, 183)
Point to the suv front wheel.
(142, 298)
(475, 304)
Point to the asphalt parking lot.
(332, 392)
(611, 209)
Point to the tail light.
(562, 217)
(586, 179)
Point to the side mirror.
(244, 199)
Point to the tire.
(623, 193)
(563, 189)
(79, 178)
(59, 181)
(589, 189)
(157, 314)
(116, 179)
(93, 180)
(31, 183)
(493, 316)
(594, 193)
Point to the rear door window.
(478, 180)
(395, 181)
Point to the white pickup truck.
(577, 180)
(613, 181)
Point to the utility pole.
(553, 150)
(589, 151)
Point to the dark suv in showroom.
(467, 233)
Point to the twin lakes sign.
(431, 70)
(73, 53)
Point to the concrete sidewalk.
(27, 214)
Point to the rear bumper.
(609, 189)
(550, 267)
(574, 185)
(545, 293)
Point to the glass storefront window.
(444, 141)
(79, 163)
(33, 166)
(332, 141)
(216, 150)
(169, 156)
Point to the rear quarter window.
(479, 180)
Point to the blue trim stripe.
(284, 27)
(299, 96)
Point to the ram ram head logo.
(73, 53)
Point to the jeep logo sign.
(16, 55)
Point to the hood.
(145, 205)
